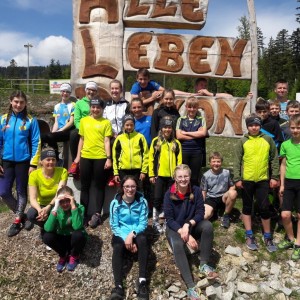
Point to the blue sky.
(48, 26)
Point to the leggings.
(92, 173)
(260, 190)
(72, 244)
(119, 248)
(194, 161)
(74, 140)
(161, 186)
(15, 171)
(32, 214)
(203, 231)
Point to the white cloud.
(56, 47)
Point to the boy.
(290, 186)
(218, 189)
(256, 168)
(281, 90)
(292, 108)
(275, 111)
(268, 125)
(148, 90)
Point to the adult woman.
(20, 148)
(184, 213)
(64, 230)
(43, 185)
(128, 221)
(191, 132)
(94, 155)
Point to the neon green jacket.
(82, 109)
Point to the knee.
(247, 210)
(206, 226)
(32, 214)
(286, 215)
(78, 235)
(48, 237)
(232, 195)
(5, 193)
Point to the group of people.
(118, 141)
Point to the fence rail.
(34, 85)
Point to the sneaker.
(157, 227)
(61, 264)
(161, 214)
(73, 262)
(143, 292)
(117, 293)
(251, 243)
(296, 253)
(73, 168)
(95, 221)
(14, 229)
(285, 244)
(111, 181)
(28, 225)
(225, 222)
(271, 247)
(193, 294)
(48, 248)
(208, 271)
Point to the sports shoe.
(251, 243)
(95, 221)
(225, 222)
(74, 168)
(285, 244)
(193, 294)
(61, 264)
(157, 227)
(14, 229)
(28, 225)
(111, 181)
(296, 253)
(142, 291)
(73, 262)
(117, 293)
(208, 271)
(271, 247)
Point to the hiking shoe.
(296, 253)
(208, 271)
(285, 244)
(157, 227)
(251, 243)
(28, 225)
(193, 294)
(95, 221)
(225, 222)
(14, 229)
(271, 247)
(73, 262)
(73, 168)
(117, 293)
(61, 264)
(142, 291)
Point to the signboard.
(54, 85)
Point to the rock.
(236, 251)
(286, 291)
(249, 257)
(264, 288)
(291, 263)
(203, 283)
(264, 271)
(275, 269)
(276, 285)
(177, 283)
(180, 295)
(247, 288)
(231, 287)
(173, 289)
(280, 296)
(227, 296)
(231, 276)
(210, 292)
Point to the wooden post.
(254, 57)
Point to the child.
(164, 155)
(256, 168)
(218, 189)
(64, 230)
(275, 111)
(130, 152)
(290, 186)
(167, 108)
(148, 90)
(292, 108)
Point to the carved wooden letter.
(86, 6)
(136, 9)
(209, 112)
(161, 10)
(135, 51)
(235, 117)
(196, 54)
(233, 57)
(189, 13)
(171, 50)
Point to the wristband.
(134, 234)
(108, 157)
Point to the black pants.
(65, 244)
(194, 161)
(32, 214)
(118, 253)
(161, 186)
(74, 140)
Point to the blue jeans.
(15, 171)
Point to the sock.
(142, 279)
(249, 232)
(17, 221)
(267, 235)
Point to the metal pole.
(28, 45)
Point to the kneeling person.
(218, 189)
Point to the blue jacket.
(125, 218)
(20, 139)
(177, 211)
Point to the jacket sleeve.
(274, 162)
(116, 151)
(35, 142)
(199, 213)
(1, 136)
(114, 220)
(77, 216)
(154, 124)
(145, 161)
(143, 218)
(51, 223)
(179, 156)
(151, 159)
(77, 115)
(237, 161)
(169, 213)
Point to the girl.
(184, 213)
(43, 185)
(128, 221)
(164, 155)
(95, 159)
(64, 230)
(167, 108)
(191, 132)
(20, 149)
(130, 152)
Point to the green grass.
(239, 235)
(3, 207)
